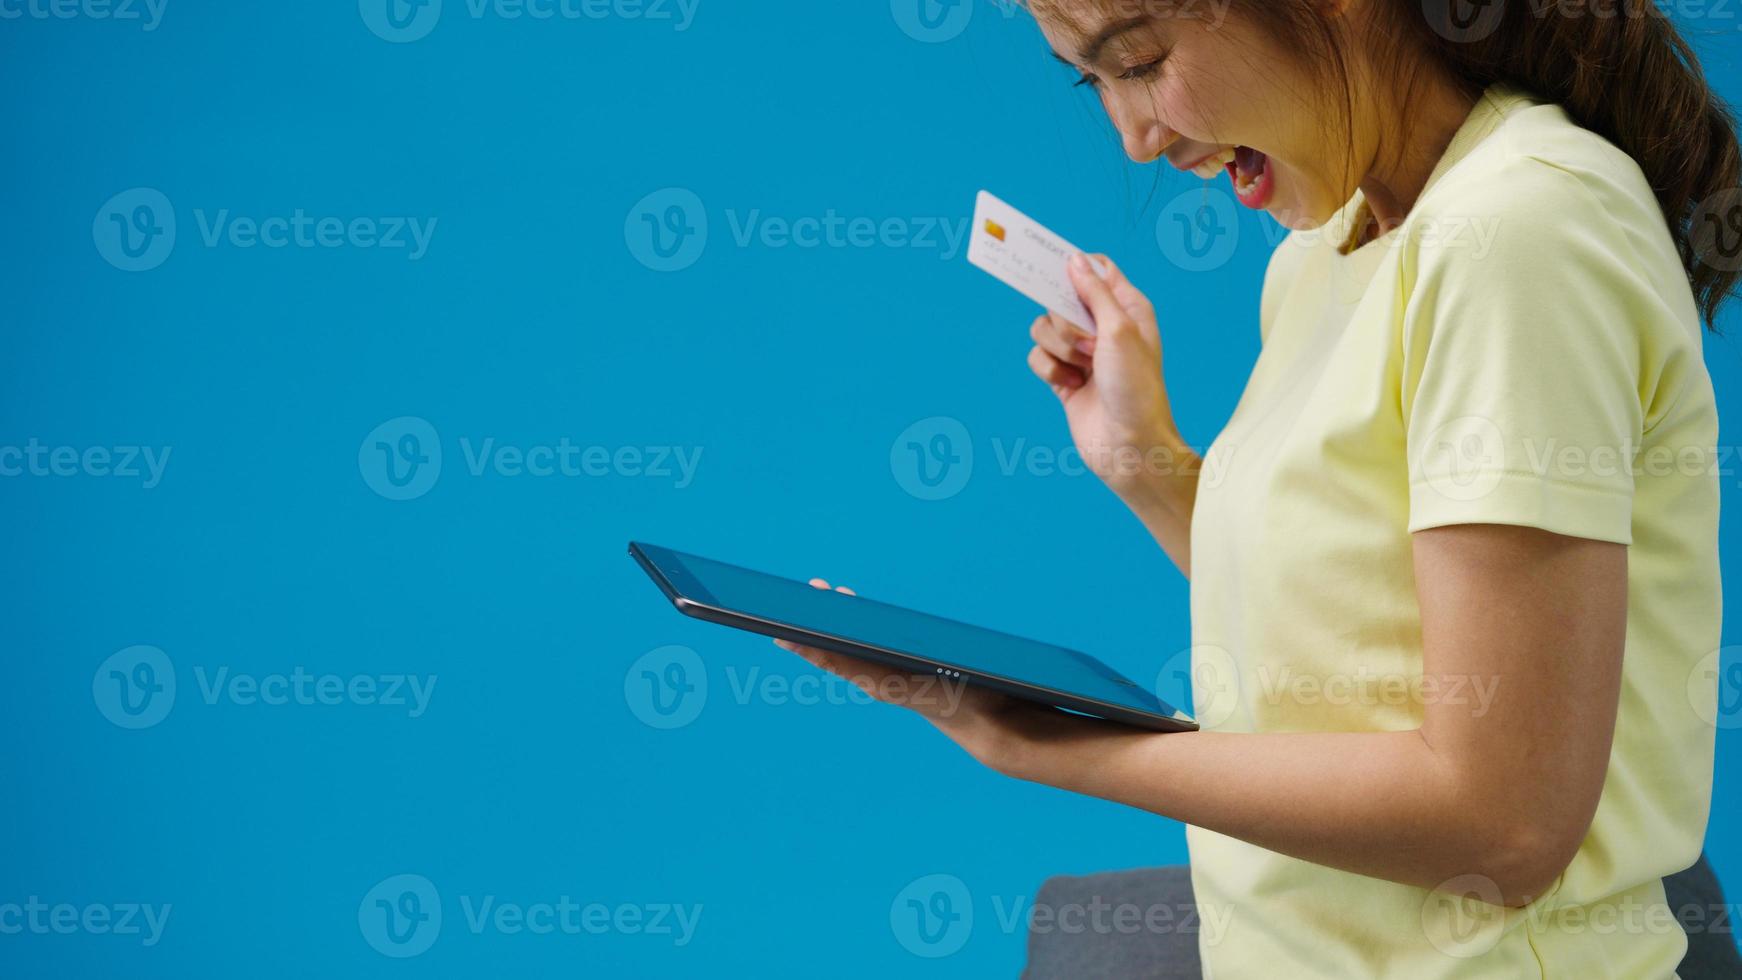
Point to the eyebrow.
(1092, 50)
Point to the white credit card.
(1030, 259)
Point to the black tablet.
(897, 637)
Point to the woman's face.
(1198, 85)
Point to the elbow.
(1524, 859)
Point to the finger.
(843, 589)
(1111, 318)
(886, 684)
(817, 583)
(1130, 297)
(1062, 340)
(1054, 371)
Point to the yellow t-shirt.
(1524, 349)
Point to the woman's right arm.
(1115, 401)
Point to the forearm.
(1381, 804)
(1161, 493)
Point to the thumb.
(1130, 298)
(1096, 292)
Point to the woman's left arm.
(1503, 786)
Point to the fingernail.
(1079, 263)
(1086, 346)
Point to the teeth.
(1214, 165)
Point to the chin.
(1298, 217)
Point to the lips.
(1252, 177)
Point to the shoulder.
(1542, 224)
(1547, 199)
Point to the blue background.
(532, 318)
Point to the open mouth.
(1250, 172)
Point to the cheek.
(1193, 105)
(1165, 103)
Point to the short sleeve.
(1522, 351)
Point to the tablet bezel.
(691, 598)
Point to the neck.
(1400, 170)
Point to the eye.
(1086, 78)
(1145, 70)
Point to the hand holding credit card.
(1024, 255)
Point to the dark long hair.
(1618, 67)
(1622, 70)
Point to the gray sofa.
(1172, 954)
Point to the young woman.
(1470, 484)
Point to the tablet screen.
(971, 648)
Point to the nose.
(1145, 137)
